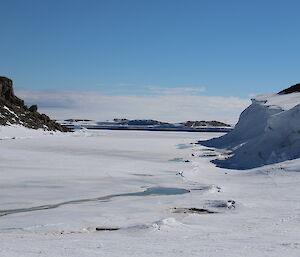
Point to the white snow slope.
(267, 132)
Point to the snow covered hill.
(267, 132)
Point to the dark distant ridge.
(189, 124)
(14, 111)
(140, 122)
(148, 125)
(292, 89)
(150, 122)
(77, 120)
(202, 123)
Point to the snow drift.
(268, 131)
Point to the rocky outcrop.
(140, 122)
(202, 123)
(292, 89)
(7, 92)
(14, 111)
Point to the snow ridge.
(268, 131)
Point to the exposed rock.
(192, 210)
(121, 121)
(107, 229)
(7, 92)
(140, 122)
(14, 111)
(33, 108)
(292, 89)
(77, 120)
(203, 123)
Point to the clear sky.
(232, 48)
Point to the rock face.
(7, 92)
(14, 111)
(292, 89)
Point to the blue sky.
(151, 47)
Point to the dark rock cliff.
(14, 111)
(292, 89)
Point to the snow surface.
(268, 132)
(257, 212)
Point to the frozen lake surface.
(118, 193)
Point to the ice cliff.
(268, 131)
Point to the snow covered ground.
(56, 189)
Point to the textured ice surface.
(251, 213)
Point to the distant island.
(147, 124)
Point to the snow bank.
(19, 131)
(267, 132)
